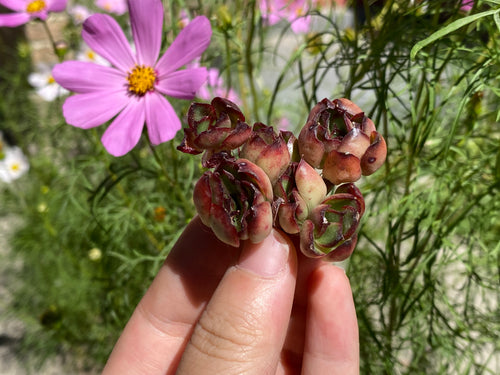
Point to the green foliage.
(425, 274)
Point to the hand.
(261, 309)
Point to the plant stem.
(52, 40)
(248, 60)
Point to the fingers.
(331, 337)
(243, 327)
(291, 358)
(162, 323)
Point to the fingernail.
(267, 258)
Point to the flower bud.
(61, 48)
(234, 201)
(331, 229)
(224, 18)
(268, 150)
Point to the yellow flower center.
(35, 6)
(91, 55)
(15, 167)
(141, 80)
(51, 80)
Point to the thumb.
(244, 325)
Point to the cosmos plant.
(27, 10)
(131, 92)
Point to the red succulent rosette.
(341, 140)
(235, 201)
(214, 127)
(330, 232)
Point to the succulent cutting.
(257, 178)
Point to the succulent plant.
(258, 178)
(235, 201)
(267, 149)
(331, 228)
(341, 140)
(215, 127)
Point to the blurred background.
(82, 233)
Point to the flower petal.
(117, 7)
(189, 45)
(56, 5)
(161, 120)
(300, 25)
(37, 79)
(50, 92)
(105, 37)
(146, 19)
(84, 77)
(93, 109)
(124, 132)
(16, 5)
(14, 19)
(182, 84)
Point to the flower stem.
(52, 41)
(248, 60)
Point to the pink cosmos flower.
(467, 5)
(215, 87)
(118, 7)
(273, 11)
(183, 19)
(134, 86)
(27, 10)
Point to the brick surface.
(41, 46)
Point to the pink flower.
(27, 10)
(215, 87)
(283, 123)
(183, 19)
(273, 11)
(134, 86)
(467, 5)
(118, 7)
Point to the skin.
(259, 309)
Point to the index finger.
(161, 325)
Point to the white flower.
(13, 165)
(45, 85)
(86, 54)
(79, 13)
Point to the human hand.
(261, 309)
